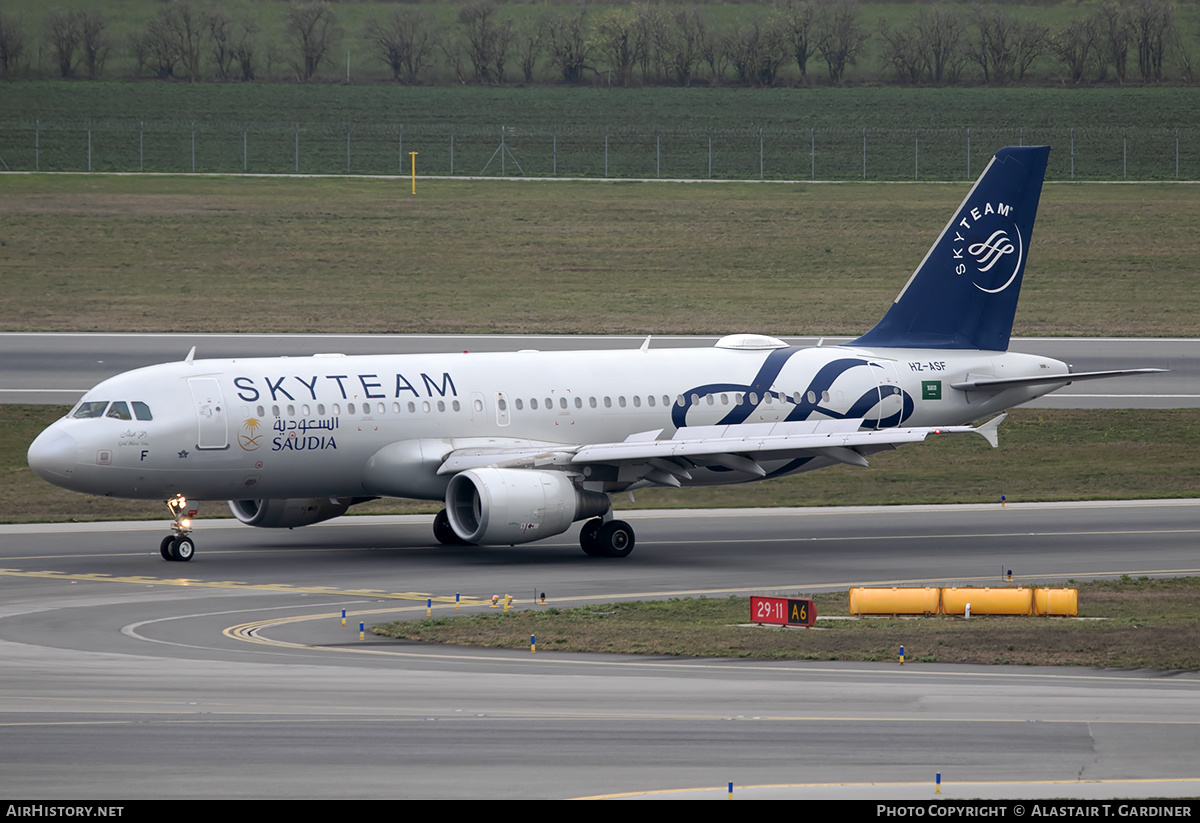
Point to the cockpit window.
(142, 410)
(92, 408)
(119, 411)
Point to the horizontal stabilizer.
(996, 384)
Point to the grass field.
(1043, 455)
(231, 254)
(1100, 133)
(1132, 624)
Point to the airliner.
(522, 445)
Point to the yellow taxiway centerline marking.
(193, 583)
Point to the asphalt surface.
(231, 676)
(58, 368)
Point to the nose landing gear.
(178, 546)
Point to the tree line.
(638, 44)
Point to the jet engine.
(287, 514)
(507, 506)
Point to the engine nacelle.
(287, 514)
(505, 506)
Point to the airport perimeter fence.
(749, 153)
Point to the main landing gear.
(444, 533)
(179, 545)
(611, 539)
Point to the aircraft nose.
(52, 455)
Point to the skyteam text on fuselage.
(520, 446)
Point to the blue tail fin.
(964, 293)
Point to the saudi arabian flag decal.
(931, 389)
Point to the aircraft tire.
(443, 532)
(164, 548)
(615, 539)
(589, 537)
(183, 549)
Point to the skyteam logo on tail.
(1002, 249)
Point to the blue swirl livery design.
(522, 446)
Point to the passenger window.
(119, 411)
(142, 411)
(93, 408)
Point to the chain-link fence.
(736, 153)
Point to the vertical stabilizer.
(964, 293)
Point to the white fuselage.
(309, 426)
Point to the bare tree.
(1183, 59)
(841, 39)
(649, 31)
(12, 46)
(797, 19)
(568, 46)
(902, 49)
(404, 45)
(454, 50)
(220, 38)
(1076, 46)
(173, 43)
(756, 53)
(617, 41)
(712, 49)
(942, 36)
(990, 47)
(311, 30)
(529, 40)
(94, 43)
(190, 32)
(682, 44)
(62, 36)
(1113, 21)
(244, 50)
(1029, 42)
(487, 40)
(1153, 24)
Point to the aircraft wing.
(740, 447)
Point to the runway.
(231, 676)
(58, 368)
